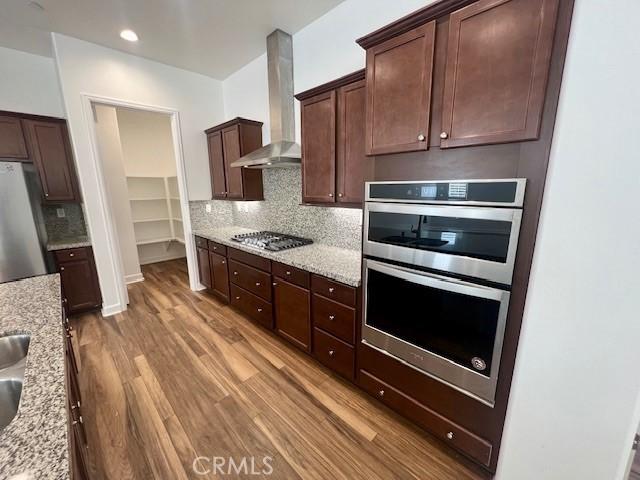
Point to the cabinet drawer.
(260, 263)
(217, 248)
(448, 431)
(70, 254)
(335, 318)
(251, 279)
(334, 290)
(253, 306)
(291, 274)
(333, 353)
(201, 242)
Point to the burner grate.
(271, 240)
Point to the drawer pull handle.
(331, 289)
(288, 272)
(259, 310)
(331, 353)
(331, 317)
(450, 435)
(381, 393)
(257, 284)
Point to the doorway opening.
(145, 198)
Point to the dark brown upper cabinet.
(498, 57)
(399, 77)
(12, 142)
(333, 157)
(228, 142)
(51, 152)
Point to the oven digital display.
(429, 191)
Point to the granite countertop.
(35, 443)
(336, 263)
(68, 242)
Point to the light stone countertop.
(336, 263)
(70, 242)
(35, 443)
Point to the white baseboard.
(112, 309)
(133, 278)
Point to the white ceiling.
(212, 37)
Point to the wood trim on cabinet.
(234, 121)
(411, 21)
(332, 85)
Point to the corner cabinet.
(12, 141)
(51, 153)
(79, 279)
(227, 143)
(493, 70)
(333, 153)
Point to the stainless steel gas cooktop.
(271, 240)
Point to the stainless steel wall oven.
(439, 258)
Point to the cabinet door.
(399, 75)
(293, 320)
(80, 285)
(51, 152)
(231, 147)
(498, 58)
(216, 165)
(219, 274)
(12, 143)
(351, 155)
(319, 148)
(204, 268)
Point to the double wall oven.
(438, 264)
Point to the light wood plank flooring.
(180, 376)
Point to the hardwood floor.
(181, 376)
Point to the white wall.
(324, 50)
(29, 84)
(112, 160)
(86, 68)
(147, 145)
(573, 408)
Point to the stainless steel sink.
(13, 360)
(13, 348)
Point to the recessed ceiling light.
(129, 35)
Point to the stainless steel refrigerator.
(23, 236)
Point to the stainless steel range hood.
(283, 151)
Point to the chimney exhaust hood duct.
(283, 151)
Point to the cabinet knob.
(72, 254)
(235, 273)
(331, 195)
(274, 284)
(46, 194)
(62, 269)
(444, 135)
(331, 353)
(340, 195)
(237, 298)
(421, 138)
(257, 284)
(288, 272)
(331, 289)
(259, 310)
(331, 317)
(381, 393)
(450, 435)
(223, 262)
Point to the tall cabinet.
(333, 142)
(228, 142)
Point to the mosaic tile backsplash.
(281, 212)
(71, 226)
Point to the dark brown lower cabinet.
(251, 305)
(219, 275)
(292, 310)
(334, 353)
(204, 267)
(79, 278)
(78, 449)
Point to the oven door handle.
(438, 281)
